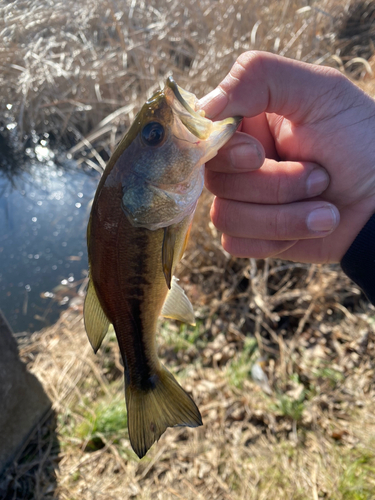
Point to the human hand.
(300, 118)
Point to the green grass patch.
(334, 377)
(108, 418)
(181, 336)
(357, 481)
(289, 407)
(239, 369)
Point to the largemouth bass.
(137, 233)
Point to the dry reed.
(66, 66)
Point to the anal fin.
(177, 305)
(96, 322)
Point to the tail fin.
(151, 412)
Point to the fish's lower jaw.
(150, 412)
(221, 132)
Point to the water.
(43, 219)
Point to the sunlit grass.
(357, 481)
(289, 407)
(239, 369)
(333, 376)
(181, 336)
(107, 417)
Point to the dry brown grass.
(312, 436)
(67, 65)
(81, 70)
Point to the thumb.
(262, 82)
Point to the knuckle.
(333, 73)
(220, 214)
(211, 181)
(337, 80)
(329, 72)
(247, 64)
(265, 249)
(231, 246)
(226, 216)
(253, 248)
(241, 247)
(321, 255)
(222, 184)
(281, 225)
(250, 60)
(282, 188)
(275, 248)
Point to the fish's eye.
(153, 133)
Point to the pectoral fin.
(96, 322)
(177, 305)
(186, 237)
(174, 245)
(169, 243)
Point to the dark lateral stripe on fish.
(139, 366)
(136, 281)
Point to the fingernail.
(211, 98)
(242, 155)
(322, 219)
(317, 182)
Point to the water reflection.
(43, 218)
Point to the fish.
(137, 233)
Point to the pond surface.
(43, 219)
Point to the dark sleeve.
(359, 261)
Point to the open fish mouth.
(185, 98)
(184, 104)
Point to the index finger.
(241, 153)
(262, 82)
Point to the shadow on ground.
(32, 474)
